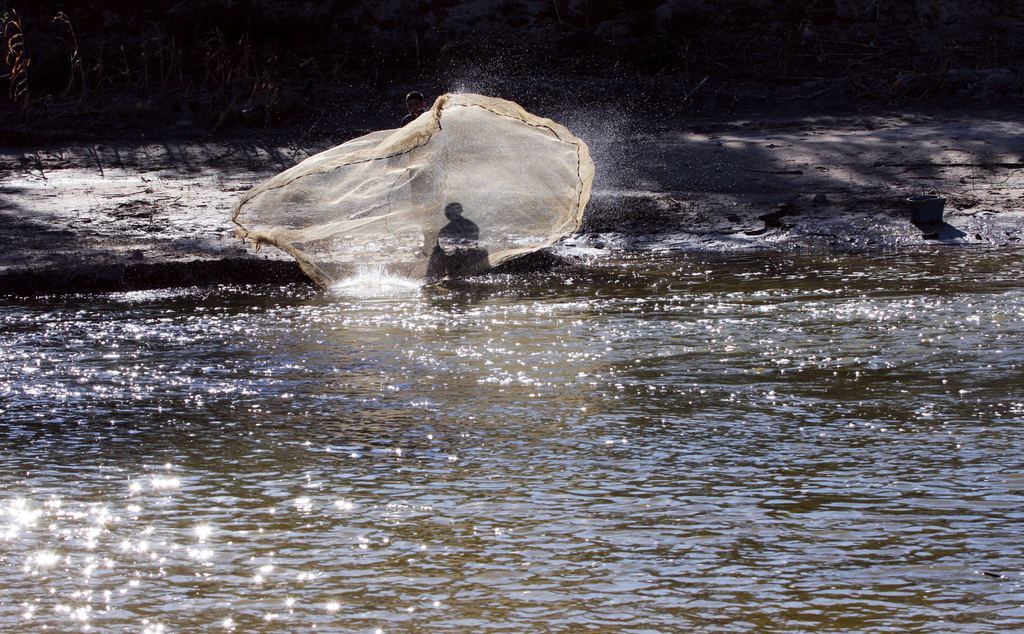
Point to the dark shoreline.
(122, 277)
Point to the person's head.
(453, 211)
(415, 103)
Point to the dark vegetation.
(329, 68)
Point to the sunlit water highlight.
(669, 443)
(375, 281)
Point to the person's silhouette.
(458, 249)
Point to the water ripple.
(646, 443)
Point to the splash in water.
(375, 281)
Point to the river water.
(655, 442)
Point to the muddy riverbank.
(121, 216)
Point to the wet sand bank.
(96, 217)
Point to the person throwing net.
(468, 184)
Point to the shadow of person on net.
(457, 252)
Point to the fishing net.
(471, 183)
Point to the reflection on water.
(669, 444)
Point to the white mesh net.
(471, 183)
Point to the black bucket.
(926, 208)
